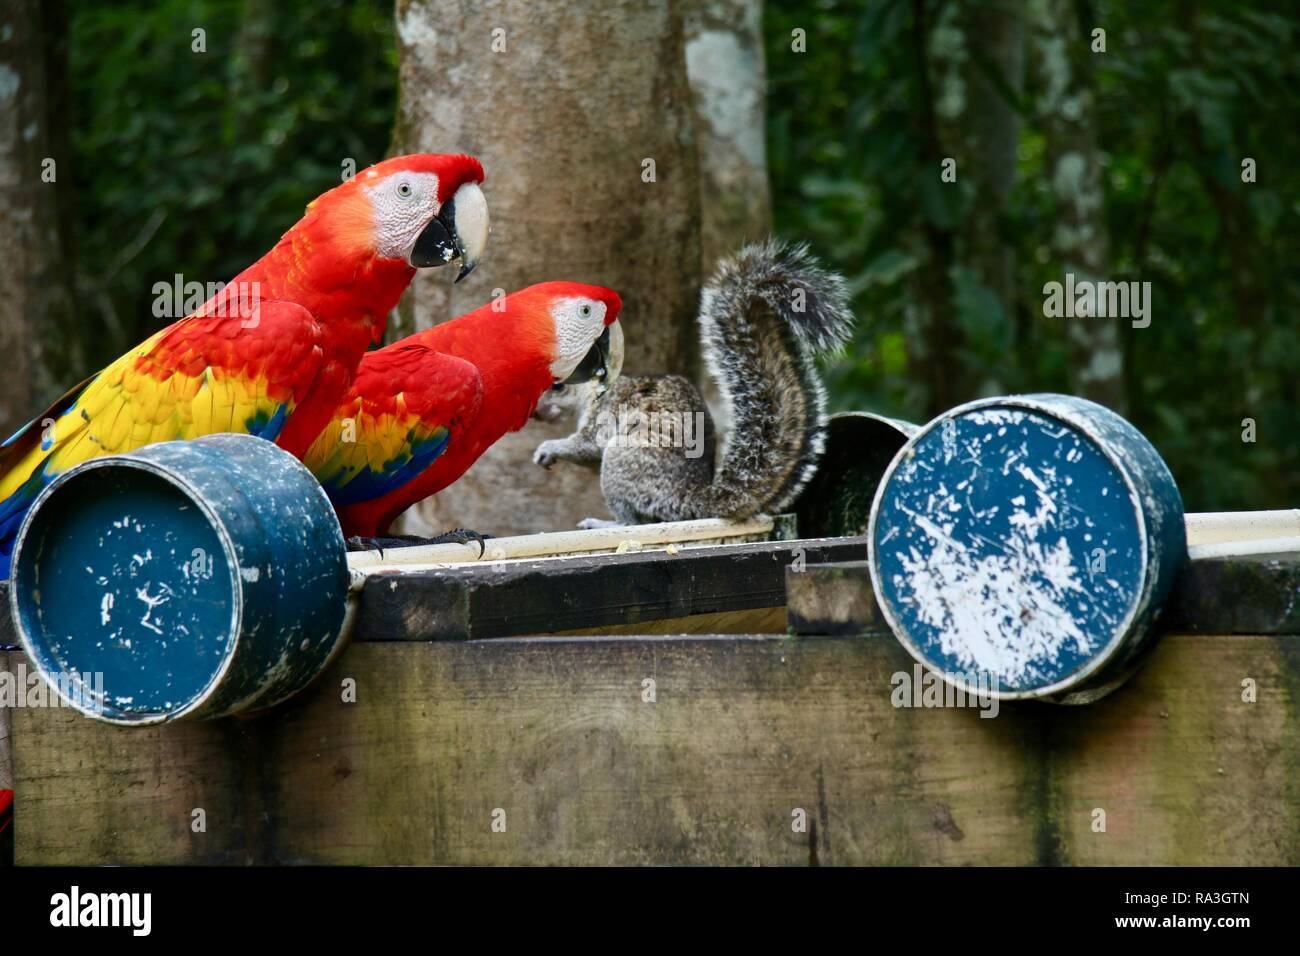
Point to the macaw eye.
(404, 190)
(584, 311)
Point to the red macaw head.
(585, 320)
(425, 209)
(570, 326)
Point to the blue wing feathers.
(346, 489)
(268, 428)
(14, 449)
(12, 511)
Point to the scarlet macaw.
(423, 409)
(274, 352)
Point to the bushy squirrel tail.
(767, 313)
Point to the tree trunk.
(36, 318)
(566, 119)
(937, 339)
(728, 77)
(1066, 106)
(980, 60)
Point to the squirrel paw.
(549, 452)
(591, 524)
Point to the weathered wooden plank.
(831, 599)
(562, 594)
(6, 719)
(743, 734)
(763, 620)
(8, 636)
(740, 588)
(1187, 770)
(1242, 595)
(6, 770)
(1246, 594)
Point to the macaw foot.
(380, 542)
(462, 536)
(458, 536)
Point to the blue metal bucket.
(1022, 546)
(859, 447)
(183, 580)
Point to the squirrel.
(767, 313)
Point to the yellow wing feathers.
(187, 380)
(361, 437)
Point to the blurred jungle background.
(1162, 150)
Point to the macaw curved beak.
(595, 364)
(459, 231)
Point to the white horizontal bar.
(1216, 527)
(1232, 549)
(557, 543)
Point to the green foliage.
(185, 161)
(1183, 94)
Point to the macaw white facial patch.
(403, 205)
(579, 322)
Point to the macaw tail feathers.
(13, 450)
(16, 446)
(6, 831)
(12, 511)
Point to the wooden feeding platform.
(651, 707)
(702, 692)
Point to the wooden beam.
(831, 598)
(1244, 594)
(583, 592)
(731, 589)
(6, 768)
(746, 738)
(763, 620)
(1195, 760)
(6, 739)
(1241, 594)
(8, 636)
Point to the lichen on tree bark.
(728, 76)
(1066, 108)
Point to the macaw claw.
(457, 536)
(462, 536)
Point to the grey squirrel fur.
(768, 312)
